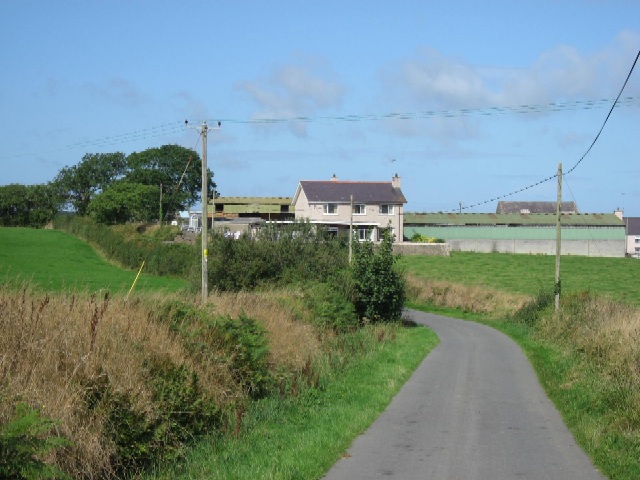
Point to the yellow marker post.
(134, 282)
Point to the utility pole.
(557, 287)
(351, 232)
(205, 212)
(160, 217)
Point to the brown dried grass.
(51, 347)
(469, 298)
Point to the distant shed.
(582, 234)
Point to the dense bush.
(330, 305)
(419, 238)
(280, 254)
(378, 289)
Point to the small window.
(386, 209)
(364, 234)
(359, 209)
(330, 209)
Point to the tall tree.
(177, 169)
(124, 201)
(95, 172)
(28, 205)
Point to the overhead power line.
(178, 127)
(615, 103)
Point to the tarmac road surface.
(472, 410)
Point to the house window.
(386, 209)
(364, 234)
(330, 208)
(359, 209)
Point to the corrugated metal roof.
(253, 201)
(334, 191)
(574, 219)
(535, 207)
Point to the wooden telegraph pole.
(557, 287)
(205, 212)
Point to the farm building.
(601, 235)
(633, 236)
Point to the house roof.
(535, 207)
(335, 191)
(505, 219)
(253, 200)
(633, 225)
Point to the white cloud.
(431, 81)
(293, 91)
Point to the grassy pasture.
(528, 274)
(56, 261)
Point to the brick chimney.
(396, 181)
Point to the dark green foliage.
(181, 410)
(124, 202)
(92, 175)
(177, 169)
(247, 352)
(330, 306)
(28, 205)
(241, 341)
(378, 289)
(23, 442)
(160, 258)
(281, 254)
(530, 313)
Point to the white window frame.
(330, 209)
(364, 233)
(360, 209)
(390, 209)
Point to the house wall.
(633, 245)
(315, 213)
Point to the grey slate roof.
(535, 207)
(633, 225)
(334, 191)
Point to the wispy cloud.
(432, 81)
(119, 91)
(294, 91)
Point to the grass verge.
(301, 438)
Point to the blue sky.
(453, 96)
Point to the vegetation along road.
(473, 410)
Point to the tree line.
(144, 186)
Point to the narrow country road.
(473, 410)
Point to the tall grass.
(77, 357)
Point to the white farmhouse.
(368, 207)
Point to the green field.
(528, 274)
(56, 261)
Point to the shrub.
(280, 254)
(330, 307)
(530, 312)
(378, 289)
(23, 442)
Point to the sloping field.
(53, 260)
